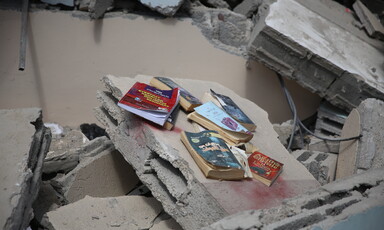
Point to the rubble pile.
(24, 143)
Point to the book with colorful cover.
(233, 110)
(187, 100)
(150, 102)
(212, 117)
(212, 155)
(264, 168)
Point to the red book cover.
(144, 97)
(264, 168)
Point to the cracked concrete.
(323, 208)
(164, 165)
(24, 142)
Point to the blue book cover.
(216, 115)
(213, 149)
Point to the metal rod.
(23, 34)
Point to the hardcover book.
(264, 168)
(149, 102)
(187, 100)
(212, 155)
(231, 108)
(212, 117)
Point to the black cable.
(297, 122)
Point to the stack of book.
(221, 148)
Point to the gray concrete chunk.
(165, 7)
(164, 165)
(124, 212)
(303, 45)
(371, 24)
(24, 142)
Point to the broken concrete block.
(164, 7)
(165, 166)
(24, 142)
(330, 119)
(97, 8)
(248, 7)
(124, 212)
(321, 165)
(337, 203)
(223, 28)
(368, 152)
(102, 175)
(302, 45)
(371, 24)
(65, 156)
(317, 144)
(284, 130)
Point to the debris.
(97, 8)
(359, 198)
(64, 2)
(368, 152)
(317, 144)
(91, 131)
(167, 8)
(304, 46)
(321, 165)
(371, 24)
(164, 165)
(24, 142)
(330, 120)
(100, 174)
(123, 212)
(248, 7)
(284, 130)
(216, 3)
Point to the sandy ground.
(66, 56)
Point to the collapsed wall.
(24, 142)
(164, 165)
(322, 56)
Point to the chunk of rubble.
(123, 212)
(164, 7)
(330, 119)
(102, 172)
(164, 165)
(66, 154)
(305, 46)
(371, 24)
(321, 165)
(324, 146)
(64, 2)
(367, 153)
(338, 204)
(24, 142)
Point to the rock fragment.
(24, 142)
(164, 7)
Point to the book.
(187, 100)
(231, 108)
(171, 120)
(212, 155)
(149, 102)
(264, 168)
(212, 117)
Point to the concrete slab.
(105, 174)
(336, 203)
(164, 165)
(371, 24)
(124, 212)
(24, 142)
(302, 45)
(321, 165)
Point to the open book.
(149, 102)
(212, 155)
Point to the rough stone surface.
(24, 142)
(223, 28)
(330, 119)
(368, 152)
(217, 3)
(317, 144)
(332, 204)
(164, 165)
(165, 7)
(371, 24)
(124, 212)
(302, 45)
(102, 174)
(64, 157)
(97, 8)
(248, 7)
(321, 165)
(284, 130)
